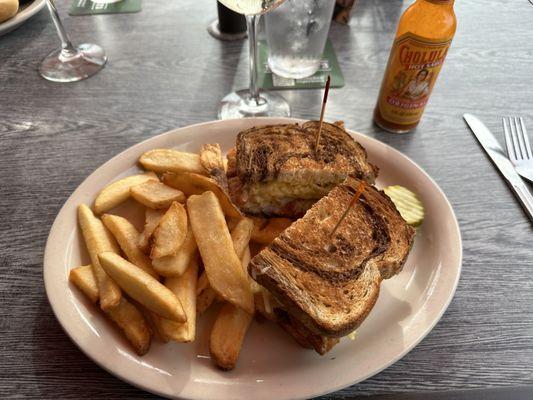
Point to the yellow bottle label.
(412, 70)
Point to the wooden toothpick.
(324, 101)
(355, 197)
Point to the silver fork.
(518, 147)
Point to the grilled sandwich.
(276, 170)
(327, 283)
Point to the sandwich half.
(276, 171)
(329, 283)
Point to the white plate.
(271, 364)
(25, 12)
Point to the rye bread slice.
(326, 283)
(301, 334)
(305, 338)
(287, 153)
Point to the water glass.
(296, 35)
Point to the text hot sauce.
(424, 35)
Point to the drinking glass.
(252, 102)
(296, 35)
(70, 63)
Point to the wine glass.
(252, 102)
(70, 63)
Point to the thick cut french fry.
(266, 230)
(128, 239)
(170, 233)
(83, 278)
(205, 299)
(175, 265)
(245, 260)
(157, 195)
(228, 334)
(142, 287)
(205, 294)
(128, 318)
(155, 323)
(152, 218)
(221, 263)
(203, 283)
(240, 235)
(133, 324)
(191, 184)
(98, 240)
(211, 157)
(119, 191)
(151, 319)
(171, 160)
(232, 223)
(212, 160)
(185, 288)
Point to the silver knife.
(499, 158)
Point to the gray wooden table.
(165, 71)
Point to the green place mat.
(328, 66)
(87, 7)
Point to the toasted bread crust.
(326, 283)
(287, 154)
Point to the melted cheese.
(283, 192)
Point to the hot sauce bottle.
(424, 35)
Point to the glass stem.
(252, 22)
(67, 49)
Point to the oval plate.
(271, 364)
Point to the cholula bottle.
(424, 35)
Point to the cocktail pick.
(324, 101)
(355, 197)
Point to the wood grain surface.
(165, 71)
